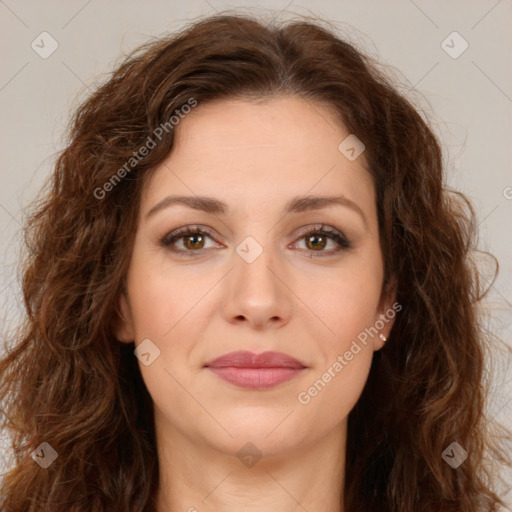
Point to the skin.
(255, 157)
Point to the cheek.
(335, 385)
(161, 297)
(347, 302)
(329, 394)
(347, 381)
(348, 307)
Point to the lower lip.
(256, 378)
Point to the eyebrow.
(295, 205)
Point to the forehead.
(260, 152)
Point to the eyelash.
(336, 236)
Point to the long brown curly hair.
(67, 381)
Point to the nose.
(257, 293)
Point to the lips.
(255, 371)
(245, 359)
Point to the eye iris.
(195, 237)
(315, 237)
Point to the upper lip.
(246, 359)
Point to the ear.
(122, 323)
(386, 313)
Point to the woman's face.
(255, 278)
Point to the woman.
(248, 288)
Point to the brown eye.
(316, 242)
(188, 241)
(193, 242)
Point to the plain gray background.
(467, 97)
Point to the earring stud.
(382, 337)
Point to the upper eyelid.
(208, 231)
